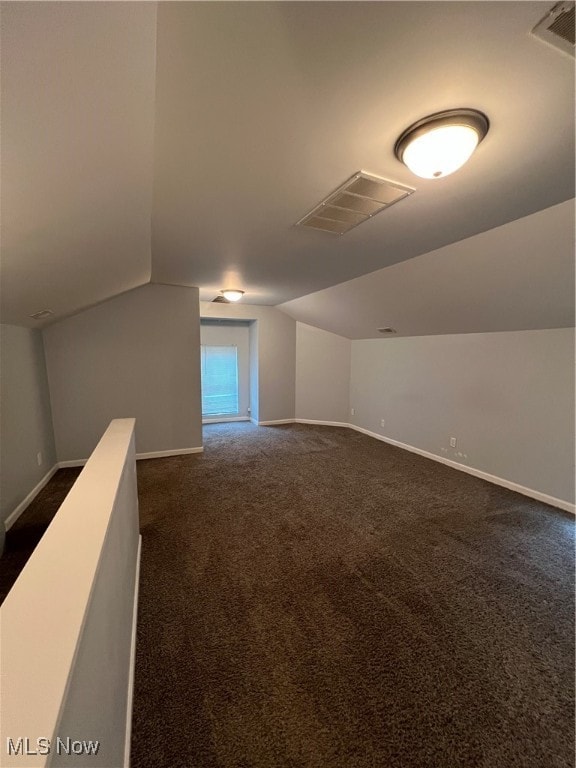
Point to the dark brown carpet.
(313, 598)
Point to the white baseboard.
(300, 421)
(223, 419)
(139, 456)
(130, 698)
(13, 516)
(323, 423)
(72, 463)
(164, 454)
(554, 502)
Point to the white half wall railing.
(68, 625)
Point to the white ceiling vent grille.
(42, 315)
(557, 28)
(357, 200)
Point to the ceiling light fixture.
(439, 144)
(232, 295)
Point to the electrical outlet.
(382, 422)
(452, 442)
(352, 411)
(39, 458)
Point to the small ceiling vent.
(387, 330)
(557, 28)
(42, 315)
(357, 200)
(221, 300)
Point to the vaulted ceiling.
(180, 143)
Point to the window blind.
(219, 380)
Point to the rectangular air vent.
(357, 200)
(42, 315)
(557, 27)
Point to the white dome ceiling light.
(439, 144)
(232, 294)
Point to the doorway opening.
(227, 357)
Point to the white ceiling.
(187, 145)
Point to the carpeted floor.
(27, 531)
(313, 598)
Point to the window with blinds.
(219, 380)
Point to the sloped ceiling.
(506, 279)
(181, 143)
(77, 153)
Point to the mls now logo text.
(44, 746)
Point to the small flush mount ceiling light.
(232, 294)
(439, 144)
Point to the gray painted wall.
(25, 418)
(507, 397)
(322, 375)
(136, 355)
(276, 344)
